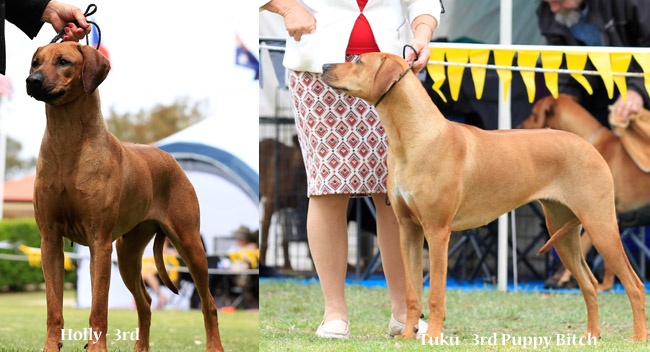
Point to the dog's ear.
(387, 74)
(549, 110)
(95, 69)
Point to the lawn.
(23, 315)
(292, 311)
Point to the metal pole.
(505, 35)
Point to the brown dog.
(446, 176)
(631, 185)
(93, 189)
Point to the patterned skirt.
(342, 141)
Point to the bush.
(18, 274)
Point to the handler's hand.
(422, 47)
(60, 14)
(297, 19)
(632, 106)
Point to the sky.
(159, 51)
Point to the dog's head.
(545, 111)
(61, 72)
(368, 78)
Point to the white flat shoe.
(335, 329)
(397, 328)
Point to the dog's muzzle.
(34, 82)
(37, 90)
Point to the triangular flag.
(479, 57)
(455, 73)
(620, 64)
(551, 60)
(603, 65)
(504, 57)
(576, 61)
(528, 59)
(436, 71)
(643, 59)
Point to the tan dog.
(446, 176)
(93, 189)
(631, 185)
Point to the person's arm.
(423, 16)
(423, 27)
(297, 19)
(26, 15)
(637, 96)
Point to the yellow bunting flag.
(528, 59)
(437, 72)
(551, 60)
(576, 61)
(504, 58)
(479, 57)
(643, 59)
(620, 63)
(604, 67)
(455, 73)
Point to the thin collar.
(403, 74)
(593, 136)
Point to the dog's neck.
(74, 122)
(404, 116)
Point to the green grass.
(293, 311)
(23, 315)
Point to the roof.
(20, 190)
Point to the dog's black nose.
(35, 80)
(326, 67)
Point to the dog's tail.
(559, 234)
(158, 245)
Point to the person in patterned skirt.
(342, 141)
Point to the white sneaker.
(397, 328)
(335, 329)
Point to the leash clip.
(90, 10)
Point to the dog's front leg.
(438, 240)
(52, 259)
(100, 275)
(411, 244)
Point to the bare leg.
(52, 258)
(328, 242)
(391, 256)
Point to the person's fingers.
(81, 19)
(623, 110)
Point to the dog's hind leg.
(605, 236)
(129, 259)
(411, 245)
(184, 235)
(570, 252)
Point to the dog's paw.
(407, 335)
(52, 347)
(642, 338)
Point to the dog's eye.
(63, 62)
(34, 63)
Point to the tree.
(153, 125)
(14, 164)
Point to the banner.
(607, 64)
